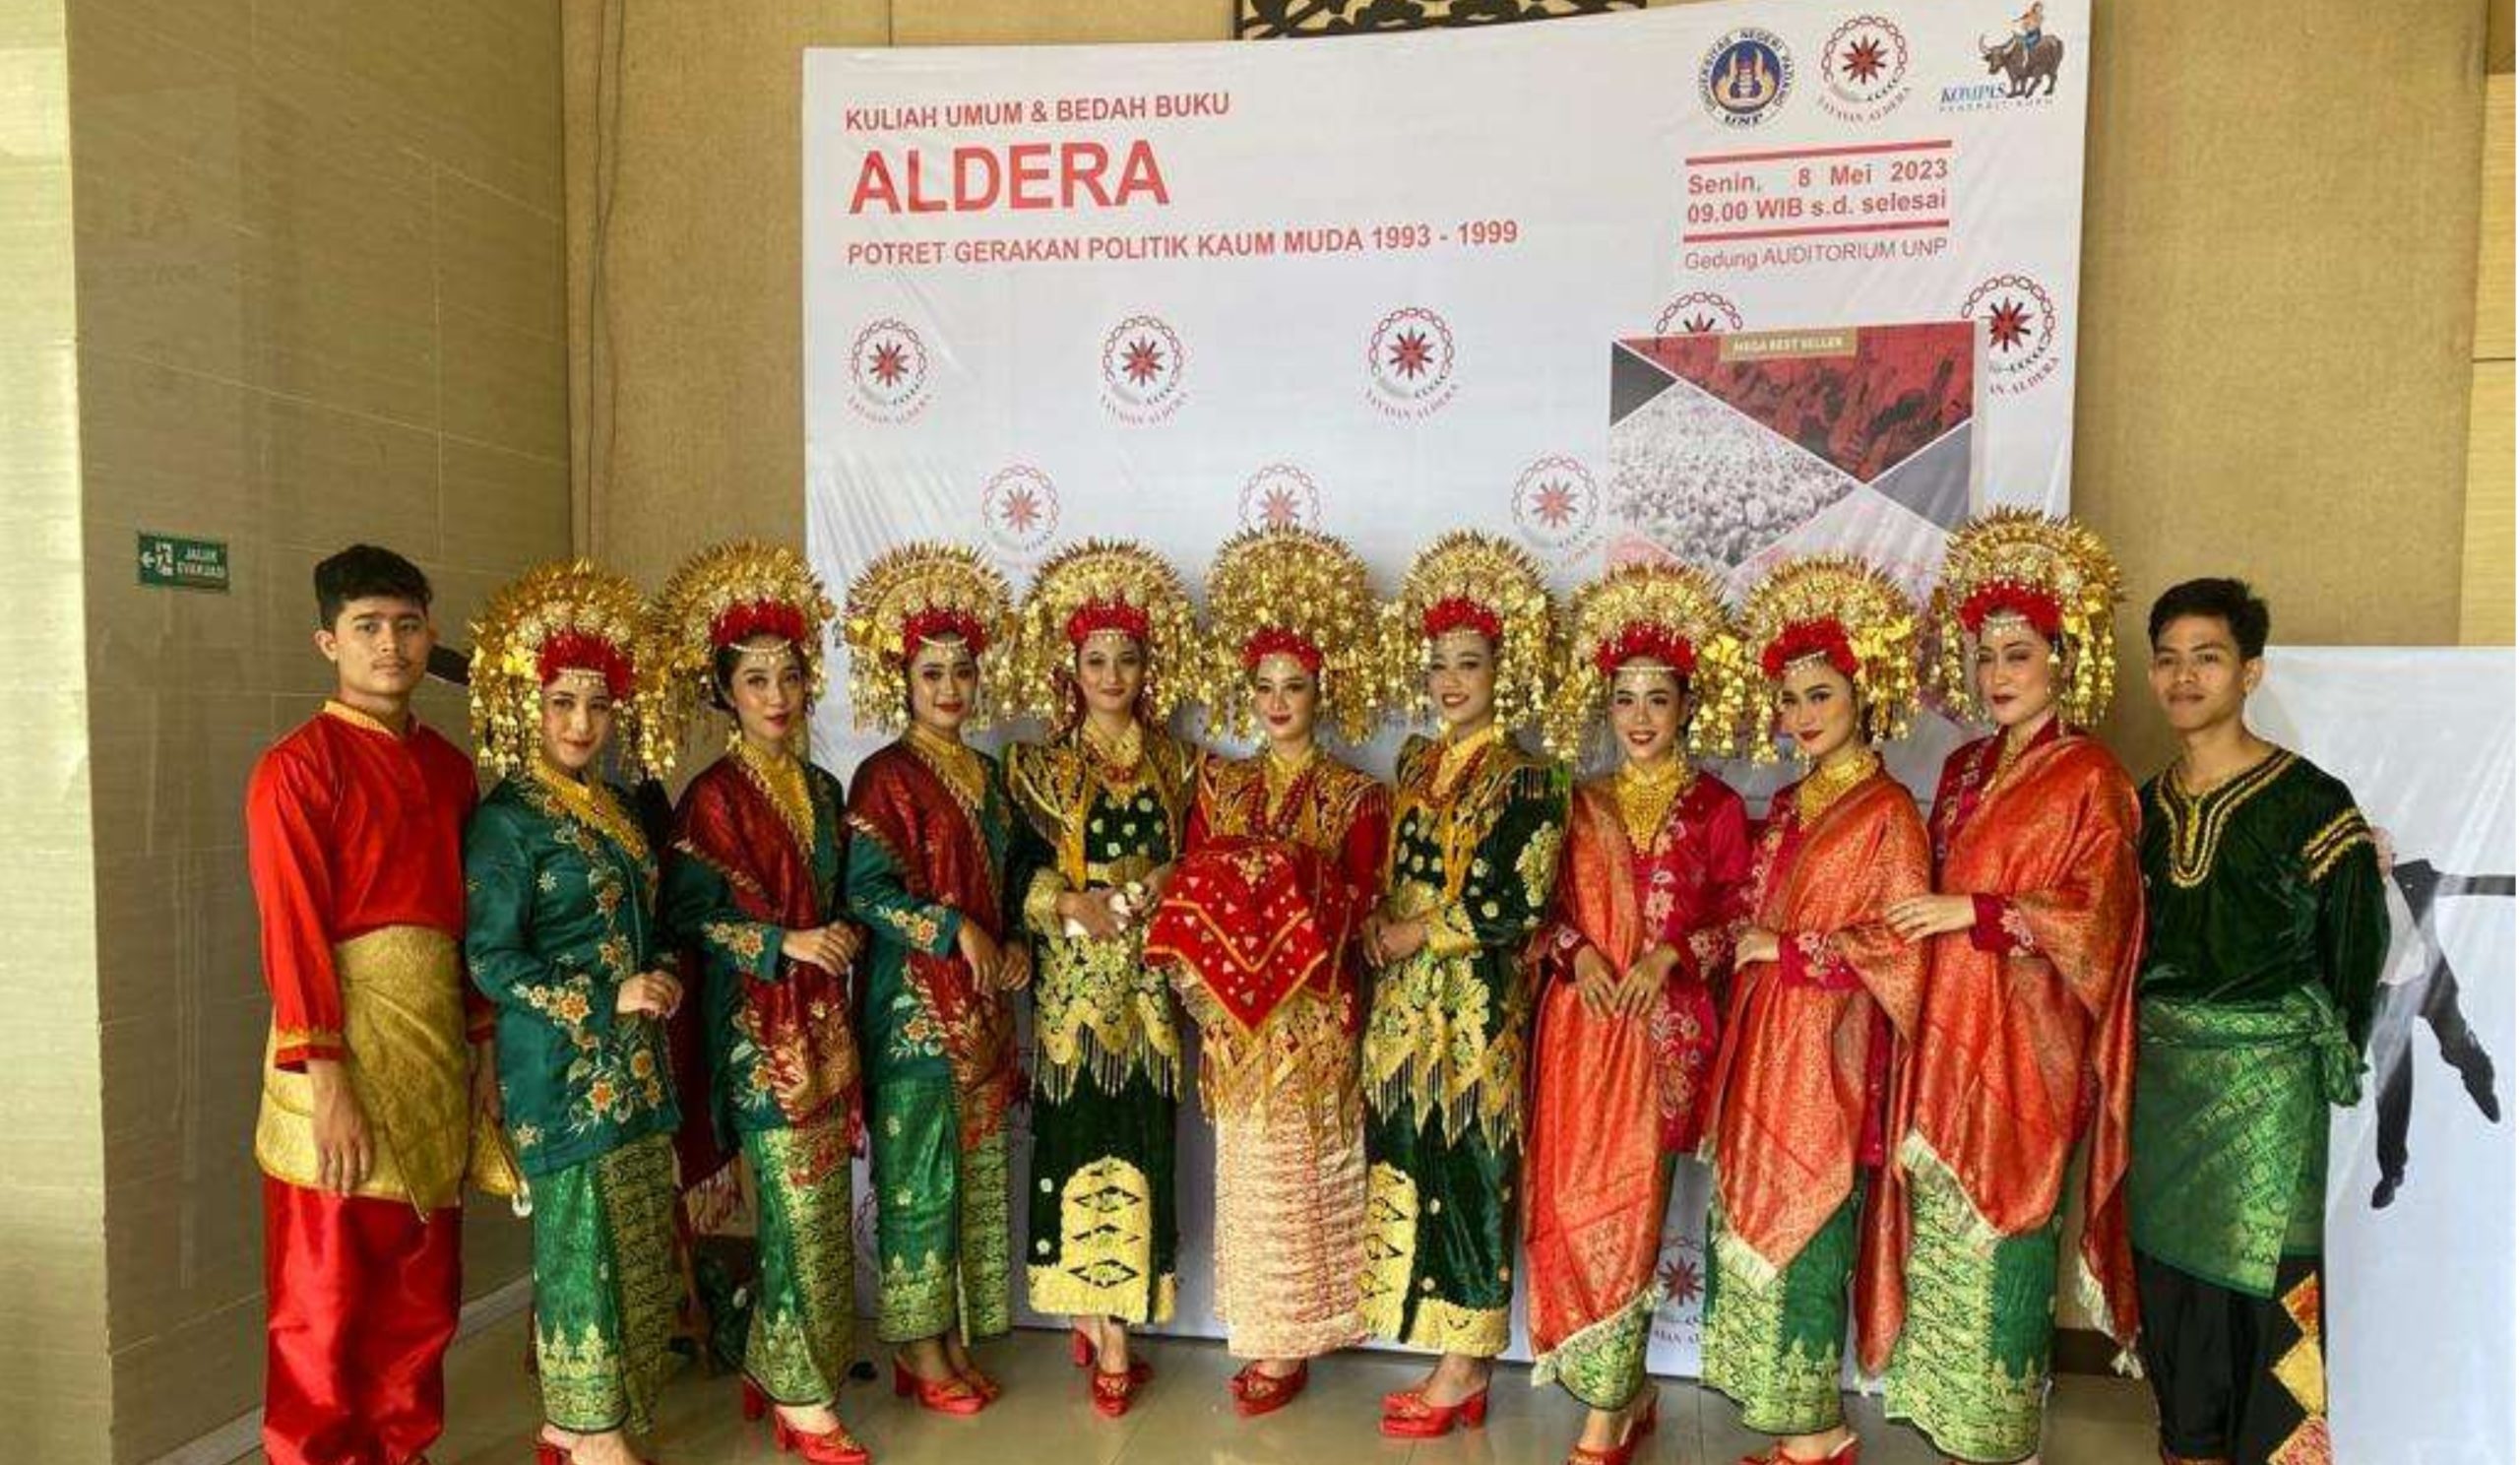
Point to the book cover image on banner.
(1730, 451)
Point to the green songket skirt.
(805, 1308)
(605, 1287)
(1773, 1339)
(1971, 1364)
(940, 1217)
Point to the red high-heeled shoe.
(1256, 1392)
(1846, 1454)
(1081, 1352)
(833, 1446)
(1623, 1452)
(1412, 1417)
(547, 1453)
(754, 1404)
(950, 1395)
(1113, 1392)
(981, 1384)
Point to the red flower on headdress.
(942, 623)
(740, 624)
(1461, 613)
(1803, 638)
(2028, 602)
(1640, 638)
(1107, 615)
(1269, 641)
(583, 651)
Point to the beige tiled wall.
(320, 297)
(54, 1384)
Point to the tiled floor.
(1184, 1418)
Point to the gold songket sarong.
(403, 1032)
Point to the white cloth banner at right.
(2420, 1211)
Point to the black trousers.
(2238, 1377)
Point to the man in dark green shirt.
(2265, 931)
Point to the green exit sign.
(182, 564)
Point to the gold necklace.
(1279, 776)
(1117, 762)
(1646, 794)
(954, 763)
(780, 778)
(581, 801)
(1459, 754)
(1829, 781)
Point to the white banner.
(2419, 1220)
(1388, 286)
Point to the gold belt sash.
(403, 1033)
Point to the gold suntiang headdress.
(1837, 607)
(722, 597)
(563, 622)
(1669, 617)
(2053, 573)
(1472, 581)
(1102, 587)
(909, 597)
(1294, 593)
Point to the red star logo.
(1698, 325)
(1554, 503)
(2007, 325)
(1020, 511)
(1412, 356)
(1280, 508)
(889, 363)
(1680, 1279)
(1143, 362)
(1864, 59)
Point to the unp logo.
(1747, 76)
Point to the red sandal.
(952, 1394)
(1257, 1392)
(1639, 1425)
(1411, 1417)
(833, 1446)
(1113, 1392)
(1845, 1454)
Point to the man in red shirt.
(378, 1062)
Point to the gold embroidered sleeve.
(1042, 902)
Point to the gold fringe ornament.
(1838, 608)
(566, 620)
(1468, 580)
(726, 596)
(1101, 587)
(908, 597)
(1670, 616)
(2057, 575)
(1296, 593)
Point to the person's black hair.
(722, 663)
(363, 571)
(2227, 601)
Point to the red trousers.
(363, 1301)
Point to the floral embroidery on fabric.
(918, 927)
(741, 941)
